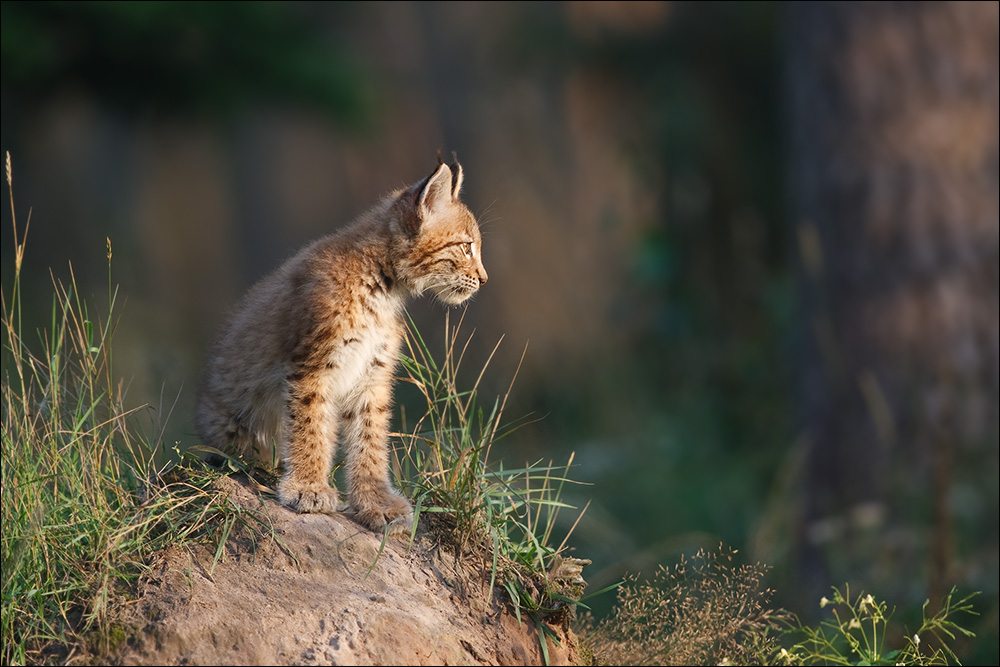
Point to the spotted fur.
(309, 353)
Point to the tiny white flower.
(855, 623)
(916, 639)
(823, 602)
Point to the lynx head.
(442, 252)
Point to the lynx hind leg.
(231, 436)
(219, 430)
(263, 451)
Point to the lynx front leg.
(367, 439)
(312, 433)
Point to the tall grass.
(83, 505)
(445, 461)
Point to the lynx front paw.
(382, 508)
(310, 498)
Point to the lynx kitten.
(311, 349)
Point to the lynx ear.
(436, 191)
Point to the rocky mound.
(322, 595)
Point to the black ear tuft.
(457, 176)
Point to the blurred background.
(752, 248)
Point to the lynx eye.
(466, 248)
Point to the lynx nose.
(483, 277)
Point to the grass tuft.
(84, 506)
(510, 514)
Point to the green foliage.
(83, 505)
(856, 635)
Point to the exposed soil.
(314, 597)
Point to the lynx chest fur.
(308, 355)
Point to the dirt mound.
(314, 597)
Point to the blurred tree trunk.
(893, 111)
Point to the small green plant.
(857, 633)
(508, 513)
(84, 506)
